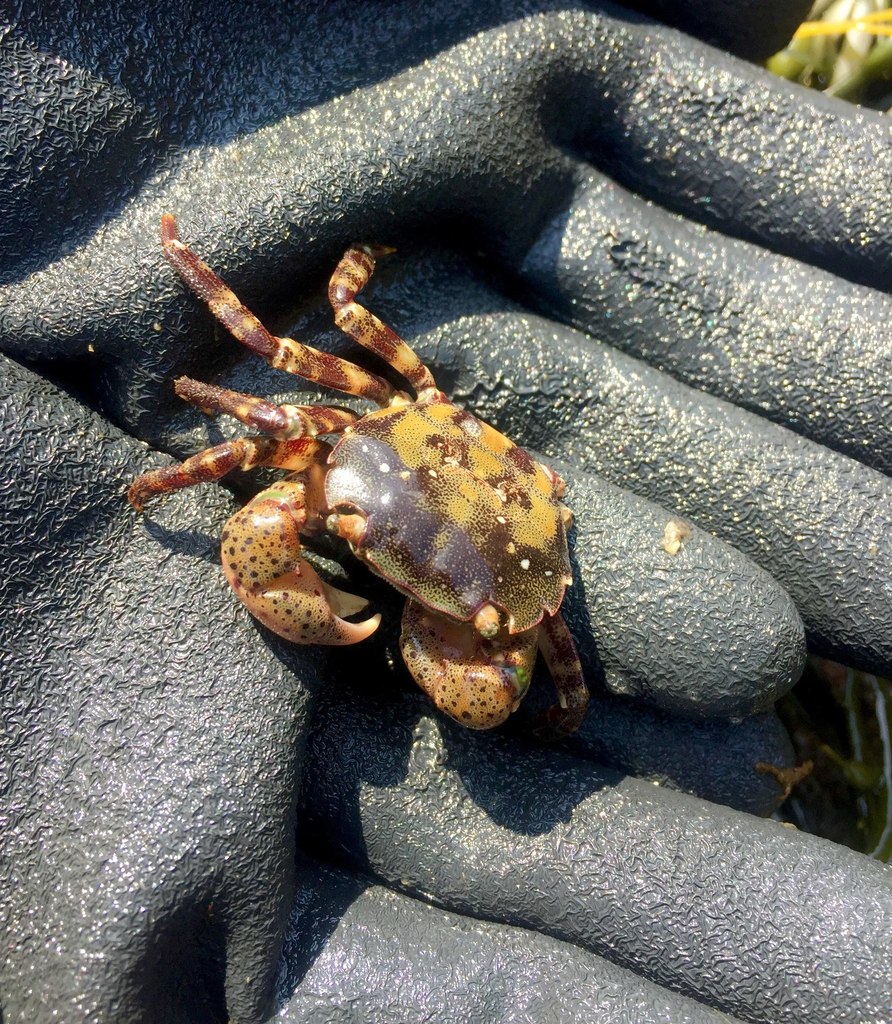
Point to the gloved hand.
(157, 736)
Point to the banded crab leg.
(299, 453)
(349, 278)
(559, 651)
(280, 421)
(282, 353)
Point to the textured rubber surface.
(153, 738)
(781, 338)
(390, 958)
(659, 882)
(655, 619)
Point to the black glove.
(158, 735)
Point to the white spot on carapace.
(384, 467)
(432, 472)
(524, 563)
(548, 572)
(501, 519)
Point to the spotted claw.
(306, 610)
(478, 681)
(260, 553)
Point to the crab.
(459, 519)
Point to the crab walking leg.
(559, 652)
(350, 277)
(280, 421)
(214, 463)
(260, 551)
(476, 681)
(282, 353)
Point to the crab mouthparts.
(487, 622)
(348, 526)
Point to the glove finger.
(697, 630)
(734, 147)
(480, 155)
(781, 338)
(121, 97)
(314, 179)
(148, 727)
(744, 764)
(706, 901)
(360, 950)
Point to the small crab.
(456, 516)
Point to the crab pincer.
(260, 552)
(476, 680)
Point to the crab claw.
(260, 552)
(475, 680)
(304, 609)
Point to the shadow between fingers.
(322, 899)
(381, 763)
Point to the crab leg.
(213, 463)
(349, 278)
(282, 353)
(559, 652)
(280, 421)
(260, 551)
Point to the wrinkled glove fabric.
(639, 256)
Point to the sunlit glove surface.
(636, 255)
